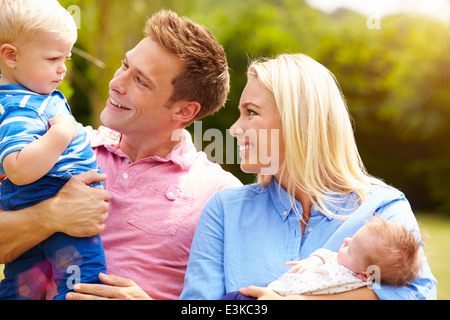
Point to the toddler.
(41, 145)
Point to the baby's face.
(352, 252)
(41, 62)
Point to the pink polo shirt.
(156, 203)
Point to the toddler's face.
(352, 252)
(41, 62)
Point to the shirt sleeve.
(392, 205)
(204, 279)
(19, 128)
(422, 288)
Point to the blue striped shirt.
(24, 117)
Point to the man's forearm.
(20, 231)
(77, 210)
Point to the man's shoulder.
(103, 136)
(212, 173)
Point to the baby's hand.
(305, 264)
(66, 123)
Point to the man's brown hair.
(205, 78)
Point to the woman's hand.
(115, 288)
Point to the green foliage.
(395, 79)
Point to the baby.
(384, 247)
(41, 146)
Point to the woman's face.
(258, 131)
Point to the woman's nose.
(236, 130)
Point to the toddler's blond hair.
(21, 19)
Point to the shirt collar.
(281, 199)
(183, 155)
(282, 202)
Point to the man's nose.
(118, 82)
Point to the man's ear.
(186, 111)
(8, 54)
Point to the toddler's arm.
(37, 158)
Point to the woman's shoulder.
(249, 189)
(238, 196)
(384, 193)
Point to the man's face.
(140, 90)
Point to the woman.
(294, 130)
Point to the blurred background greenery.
(393, 70)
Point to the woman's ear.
(8, 54)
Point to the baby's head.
(387, 245)
(34, 36)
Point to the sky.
(439, 9)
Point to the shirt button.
(285, 213)
(310, 229)
(170, 195)
(125, 176)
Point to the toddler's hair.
(396, 253)
(21, 19)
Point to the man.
(158, 182)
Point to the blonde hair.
(21, 19)
(396, 252)
(321, 157)
(205, 78)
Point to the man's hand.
(78, 209)
(115, 288)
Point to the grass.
(437, 240)
(436, 230)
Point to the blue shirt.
(245, 235)
(24, 117)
